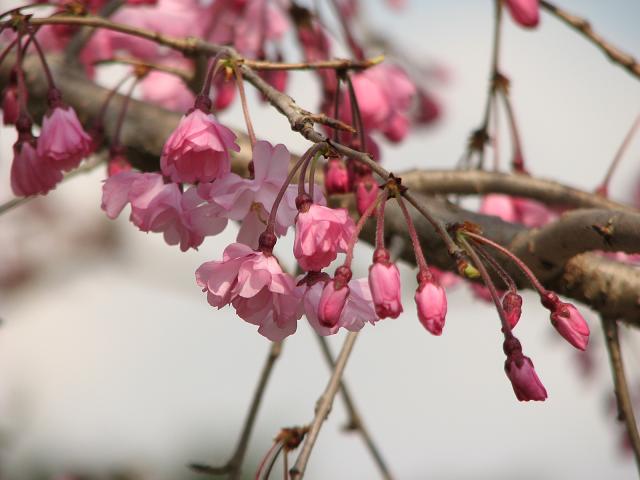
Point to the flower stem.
(43, 60)
(356, 115)
(486, 278)
(245, 106)
(123, 112)
(421, 261)
(359, 226)
(211, 73)
(380, 221)
(519, 263)
(303, 159)
(603, 189)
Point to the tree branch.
(625, 404)
(233, 467)
(355, 419)
(583, 26)
(323, 407)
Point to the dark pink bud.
(336, 176)
(571, 325)
(526, 13)
(10, 105)
(332, 303)
(118, 163)
(512, 304)
(428, 109)
(431, 301)
(521, 373)
(567, 320)
(366, 193)
(384, 281)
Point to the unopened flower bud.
(334, 296)
(336, 176)
(521, 373)
(431, 301)
(512, 304)
(366, 193)
(384, 281)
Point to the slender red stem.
(486, 278)
(43, 60)
(519, 263)
(211, 73)
(304, 158)
(123, 112)
(266, 457)
(356, 115)
(6, 51)
(417, 248)
(604, 186)
(359, 226)
(245, 106)
(380, 221)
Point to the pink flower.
(183, 218)
(63, 142)
(429, 110)
(519, 369)
(532, 213)
(384, 94)
(512, 304)
(250, 200)
(499, 205)
(166, 90)
(254, 283)
(384, 281)
(526, 13)
(198, 149)
(117, 163)
(444, 278)
(567, 320)
(336, 176)
(321, 233)
(431, 301)
(246, 24)
(29, 174)
(357, 310)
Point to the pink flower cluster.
(38, 163)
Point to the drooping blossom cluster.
(194, 194)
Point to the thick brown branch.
(584, 27)
(477, 182)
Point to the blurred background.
(112, 362)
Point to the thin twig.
(583, 26)
(604, 186)
(234, 466)
(355, 422)
(625, 404)
(323, 407)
